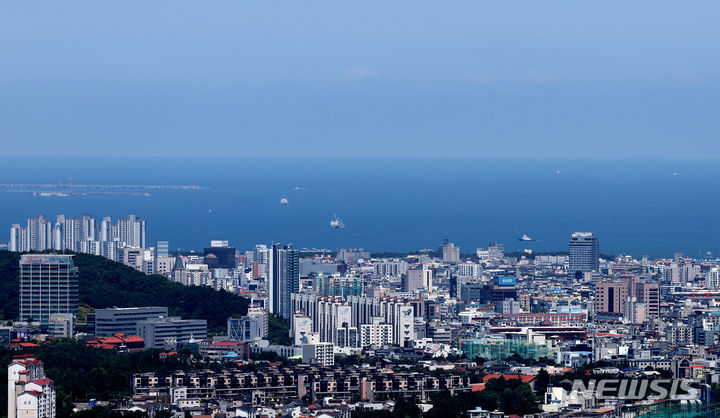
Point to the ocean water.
(653, 207)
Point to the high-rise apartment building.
(584, 253)
(496, 252)
(48, 285)
(450, 253)
(132, 231)
(283, 278)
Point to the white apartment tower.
(30, 393)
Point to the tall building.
(584, 253)
(30, 393)
(283, 278)
(417, 278)
(496, 252)
(48, 285)
(39, 234)
(329, 314)
(132, 231)
(450, 253)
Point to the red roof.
(42, 382)
(477, 387)
(525, 378)
(234, 343)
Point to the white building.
(30, 393)
(712, 278)
(450, 253)
(469, 270)
(302, 327)
(376, 334)
(322, 354)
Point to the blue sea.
(638, 207)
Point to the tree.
(542, 381)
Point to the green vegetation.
(403, 409)
(278, 331)
(81, 373)
(509, 396)
(105, 283)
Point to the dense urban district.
(98, 322)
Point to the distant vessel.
(298, 188)
(284, 202)
(526, 237)
(337, 223)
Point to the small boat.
(284, 202)
(526, 237)
(337, 223)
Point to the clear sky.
(554, 79)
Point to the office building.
(111, 321)
(48, 285)
(171, 331)
(612, 297)
(283, 278)
(584, 253)
(163, 249)
(220, 255)
(353, 255)
(253, 326)
(61, 325)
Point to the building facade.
(48, 285)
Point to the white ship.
(337, 223)
(284, 202)
(526, 237)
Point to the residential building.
(30, 393)
(283, 278)
(322, 354)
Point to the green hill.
(105, 283)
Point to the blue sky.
(557, 79)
